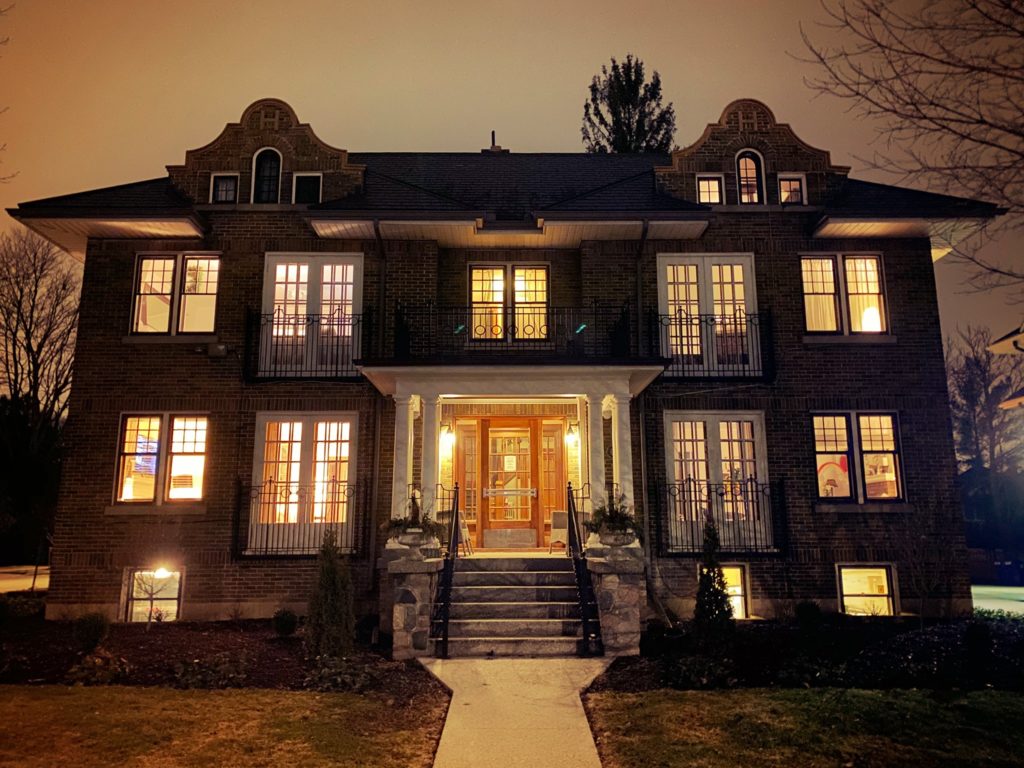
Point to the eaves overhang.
(1010, 344)
(944, 233)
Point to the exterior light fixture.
(161, 573)
(447, 436)
(572, 436)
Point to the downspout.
(377, 404)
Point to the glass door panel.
(510, 476)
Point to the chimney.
(494, 148)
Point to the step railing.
(443, 595)
(590, 644)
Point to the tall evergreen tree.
(331, 624)
(624, 112)
(712, 615)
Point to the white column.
(622, 446)
(429, 470)
(595, 450)
(402, 468)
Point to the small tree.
(712, 615)
(624, 111)
(331, 624)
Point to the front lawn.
(43, 726)
(807, 728)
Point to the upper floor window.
(175, 293)
(792, 189)
(863, 443)
(710, 189)
(306, 188)
(843, 294)
(266, 176)
(161, 457)
(750, 177)
(508, 302)
(224, 188)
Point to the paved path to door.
(516, 713)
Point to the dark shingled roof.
(155, 196)
(865, 199)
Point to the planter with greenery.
(413, 531)
(614, 523)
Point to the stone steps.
(512, 646)
(516, 627)
(498, 610)
(513, 563)
(514, 579)
(497, 594)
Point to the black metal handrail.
(283, 518)
(522, 330)
(591, 644)
(733, 345)
(443, 597)
(283, 345)
(745, 512)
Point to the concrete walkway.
(516, 713)
(15, 578)
(999, 598)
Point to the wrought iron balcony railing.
(285, 345)
(746, 514)
(714, 346)
(513, 333)
(281, 518)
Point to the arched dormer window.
(750, 177)
(266, 176)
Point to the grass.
(807, 728)
(115, 726)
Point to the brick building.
(280, 337)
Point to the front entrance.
(512, 472)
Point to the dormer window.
(792, 189)
(306, 188)
(710, 189)
(750, 177)
(224, 188)
(266, 182)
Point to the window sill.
(871, 507)
(164, 510)
(882, 338)
(162, 338)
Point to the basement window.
(866, 590)
(153, 595)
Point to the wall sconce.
(161, 573)
(447, 436)
(572, 436)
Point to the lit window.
(154, 465)
(266, 177)
(140, 452)
(832, 449)
(224, 188)
(154, 595)
(487, 299)
(187, 457)
(307, 188)
(865, 591)
(880, 456)
(750, 177)
(168, 304)
(734, 586)
(709, 190)
(501, 308)
(791, 190)
(530, 302)
(844, 300)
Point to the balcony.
(289, 346)
(714, 346)
(513, 334)
(290, 519)
(746, 513)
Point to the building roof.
(138, 198)
(866, 199)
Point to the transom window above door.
(508, 302)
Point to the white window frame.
(177, 288)
(297, 175)
(890, 569)
(238, 184)
(252, 175)
(721, 186)
(307, 459)
(714, 457)
(843, 320)
(163, 459)
(762, 192)
(802, 178)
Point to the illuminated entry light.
(161, 573)
(871, 320)
(572, 436)
(447, 438)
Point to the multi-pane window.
(150, 442)
(266, 181)
(153, 595)
(710, 190)
(866, 590)
(843, 294)
(876, 459)
(306, 188)
(750, 177)
(508, 302)
(176, 293)
(735, 587)
(224, 188)
(791, 190)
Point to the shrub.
(89, 630)
(100, 667)
(18, 607)
(330, 673)
(712, 615)
(330, 623)
(808, 615)
(997, 614)
(285, 622)
(223, 670)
